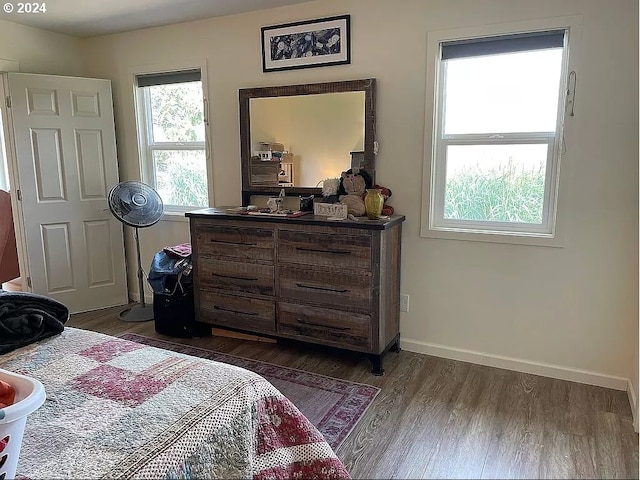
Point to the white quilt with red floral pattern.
(120, 409)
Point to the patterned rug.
(333, 405)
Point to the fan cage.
(135, 204)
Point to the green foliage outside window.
(181, 177)
(499, 195)
(177, 116)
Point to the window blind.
(502, 44)
(148, 80)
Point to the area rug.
(333, 405)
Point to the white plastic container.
(30, 395)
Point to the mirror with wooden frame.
(296, 136)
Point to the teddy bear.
(353, 185)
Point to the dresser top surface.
(235, 213)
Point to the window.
(171, 125)
(497, 134)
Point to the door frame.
(11, 160)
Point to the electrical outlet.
(404, 302)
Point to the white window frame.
(146, 144)
(5, 183)
(433, 223)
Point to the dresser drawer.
(237, 312)
(325, 249)
(243, 243)
(325, 286)
(326, 326)
(235, 276)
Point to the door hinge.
(29, 282)
(8, 101)
(19, 194)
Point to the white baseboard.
(518, 365)
(633, 401)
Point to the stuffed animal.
(330, 186)
(386, 193)
(353, 185)
(330, 190)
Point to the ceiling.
(89, 18)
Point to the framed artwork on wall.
(306, 44)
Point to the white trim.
(11, 159)
(502, 237)
(574, 24)
(517, 364)
(440, 158)
(141, 128)
(633, 401)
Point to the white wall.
(572, 309)
(320, 141)
(39, 51)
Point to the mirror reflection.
(293, 137)
(305, 138)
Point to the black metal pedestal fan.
(137, 205)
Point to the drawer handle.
(233, 243)
(324, 289)
(215, 307)
(235, 278)
(338, 252)
(307, 322)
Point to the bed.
(120, 409)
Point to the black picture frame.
(307, 44)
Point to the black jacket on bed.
(26, 318)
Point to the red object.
(7, 394)
(179, 251)
(9, 268)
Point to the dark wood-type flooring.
(439, 418)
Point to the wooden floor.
(438, 418)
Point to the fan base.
(137, 313)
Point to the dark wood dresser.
(335, 283)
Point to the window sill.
(511, 238)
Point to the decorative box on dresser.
(335, 283)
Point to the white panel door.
(65, 150)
